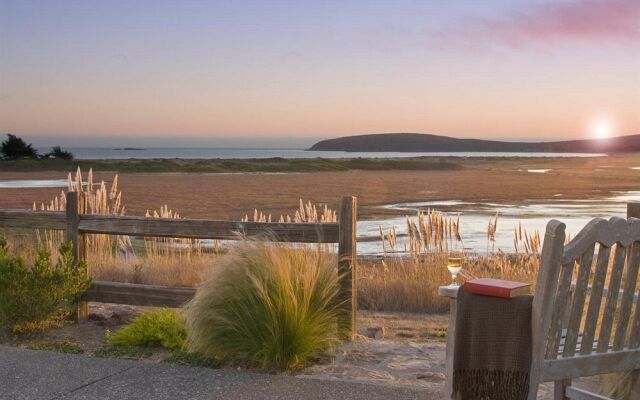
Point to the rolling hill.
(418, 142)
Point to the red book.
(497, 287)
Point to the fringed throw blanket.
(492, 350)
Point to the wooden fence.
(77, 224)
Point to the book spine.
(487, 290)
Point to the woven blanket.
(492, 351)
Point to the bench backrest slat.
(577, 305)
(587, 308)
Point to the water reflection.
(474, 218)
(33, 183)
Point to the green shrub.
(157, 328)
(267, 305)
(31, 297)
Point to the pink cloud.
(579, 21)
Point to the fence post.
(633, 210)
(76, 206)
(347, 260)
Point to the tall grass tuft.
(267, 306)
(306, 212)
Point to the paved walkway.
(36, 375)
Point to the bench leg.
(559, 389)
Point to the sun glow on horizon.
(602, 128)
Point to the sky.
(194, 70)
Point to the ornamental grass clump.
(267, 306)
(158, 328)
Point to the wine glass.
(454, 264)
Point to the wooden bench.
(575, 331)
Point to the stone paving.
(416, 365)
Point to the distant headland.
(419, 142)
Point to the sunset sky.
(316, 69)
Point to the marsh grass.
(397, 283)
(150, 260)
(268, 306)
(306, 212)
(410, 284)
(238, 165)
(156, 270)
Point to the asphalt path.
(26, 374)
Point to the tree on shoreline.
(14, 148)
(57, 152)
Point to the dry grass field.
(231, 196)
(390, 284)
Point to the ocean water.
(92, 153)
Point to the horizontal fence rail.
(77, 224)
(33, 219)
(209, 229)
(138, 295)
(178, 228)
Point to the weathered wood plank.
(575, 393)
(633, 210)
(32, 219)
(605, 292)
(592, 364)
(543, 300)
(209, 229)
(599, 230)
(559, 308)
(634, 336)
(76, 205)
(558, 390)
(595, 300)
(612, 299)
(347, 263)
(627, 297)
(138, 295)
(577, 306)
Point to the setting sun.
(602, 128)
